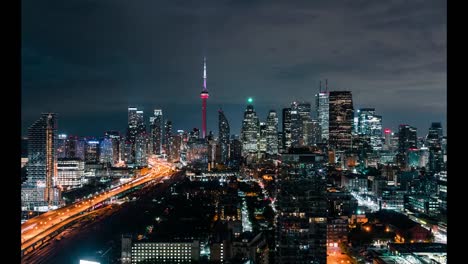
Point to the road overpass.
(36, 229)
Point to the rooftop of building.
(303, 150)
(418, 247)
(396, 219)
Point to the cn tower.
(204, 95)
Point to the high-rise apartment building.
(156, 125)
(38, 192)
(301, 233)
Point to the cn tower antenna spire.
(204, 73)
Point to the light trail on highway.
(39, 227)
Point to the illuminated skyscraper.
(388, 139)
(300, 112)
(92, 151)
(272, 133)
(303, 110)
(287, 129)
(176, 143)
(167, 137)
(38, 192)
(61, 146)
(80, 148)
(224, 134)
(156, 124)
(280, 137)
(311, 132)
(423, 156)
(136, 126)
(115, 138)
(250, 131)
(132, 128)
(106, 151)
(407, 139)
(341, 114)
(141, 151)
(262, 140)
(323, 111)
(71, 147)
(370, 125)
(434, 141)
(235, 150)
(204, 96)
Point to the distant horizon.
(118, 121)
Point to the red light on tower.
(387, 131)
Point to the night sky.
(88, 60)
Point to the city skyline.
(91, 78)
(233, 131)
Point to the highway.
(39, 227)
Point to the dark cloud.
(89, 60)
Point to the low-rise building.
(354, 182)
(392, 198)
(250, 247)
(70, 172)
(173, 252)
(423, 204)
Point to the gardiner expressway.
(40, 227)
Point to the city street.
(335, 256)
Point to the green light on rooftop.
(250, 100)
